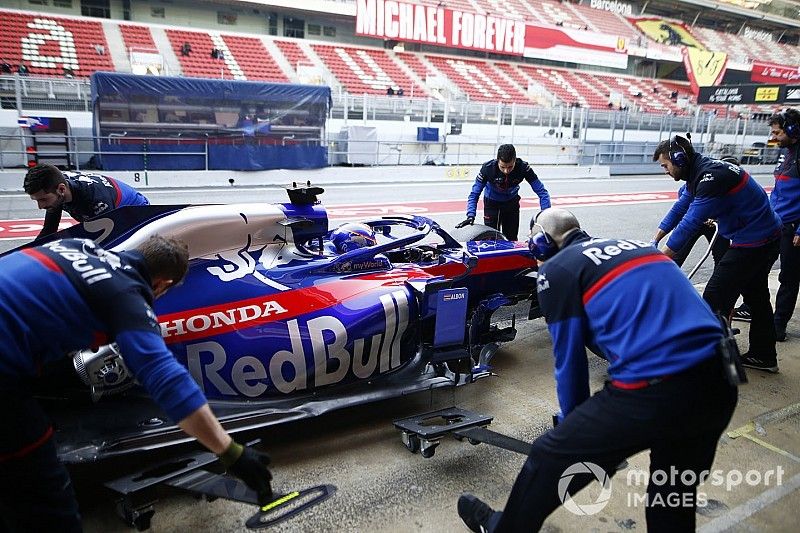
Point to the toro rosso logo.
(236, 264)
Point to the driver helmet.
(352, 236)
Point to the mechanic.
(785, 199)
(352, 236)
(726, 193)
(67, 295)
(501, 178)
(671, 219)
(80, 194)
(674, 215)
(667, 391)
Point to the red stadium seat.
(47, 43)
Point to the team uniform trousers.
(745, 271)
(679, 419)
(36, 493)
(502, 216)
(789, 276)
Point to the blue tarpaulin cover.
(110, 84)
(278, 124)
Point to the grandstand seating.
(365, 70)
(518, 77)
(252, 57)
(414, 62)
(594, 90)
(639, 92)
(606, 21)
(560, 14)
(47, 44)
(557, 82)
(744, 49)
(514, 9)
(362, 69)
(198, 62)
(137, 37)
(462, 5)
(293, 53)
(479, 80)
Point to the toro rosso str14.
(275, 326)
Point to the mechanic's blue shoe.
(474, 513)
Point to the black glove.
(250, 466)
(467, 222)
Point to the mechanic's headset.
(790, 125)
(677, 151)
(541, 245)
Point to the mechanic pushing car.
(726, 193)
(709, 230)
(501, 179)
(80, 194)
(67, 295)
(667, 392)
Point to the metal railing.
(31, 93)
(86, 152)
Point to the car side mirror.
(471, 261)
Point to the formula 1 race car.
(274, 326)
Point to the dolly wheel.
(428, 448)
(142, 522)
(427, 453)
(411, 442)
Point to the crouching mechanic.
(50, 306)
(501, 178)
(726, 193)
(80, 194)
(667, 392)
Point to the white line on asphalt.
(736, 515)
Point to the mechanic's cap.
(549, 229)
(352, 236)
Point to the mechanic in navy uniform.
(785, 199)
(726, 193)
(632, 305)
(67, 295)
(501, 179)
(719, 245)
(82, 195)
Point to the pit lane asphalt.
(382, 487)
